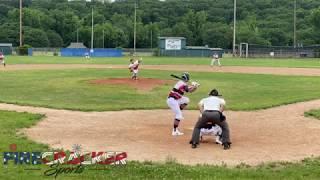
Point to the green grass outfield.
(313, 113)
(70, 89)
(306, 63)
(10, 122)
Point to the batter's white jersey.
(176, 98)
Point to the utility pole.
(234, 27)
(21, 38)
(151, 38)
(294, 24)
(103, 38)
(92, 29)
(77, 35)
(135, 27)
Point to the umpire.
(211, 109)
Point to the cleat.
(176, 133)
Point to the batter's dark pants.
(215, 118)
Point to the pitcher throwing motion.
(177, 102)
(2, 59)
(134, 68)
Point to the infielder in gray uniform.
(211, 109)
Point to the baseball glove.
(196, 84)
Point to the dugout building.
(6, 48)
(177, 46)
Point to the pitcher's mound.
(144, 84)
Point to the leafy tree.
(65, 24)
(200, 21)
(85, 35)
(181, 30)
(36, 37)
(195, 22)
(4, 9)
(217, 35)
(55, 39)
(9, 33)
(276, 36)
(250, 32)
(315, 18)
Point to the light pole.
(77, 35)
(234, 27)
(91, 29)
(21, 38)
(135, 27)
(294, 23)
(103, 38)
(151, 39)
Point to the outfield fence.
(39, 51)
(57, 51)
(257, 51)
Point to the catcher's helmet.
(185, 76)
(214, 92)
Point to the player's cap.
(214, 92)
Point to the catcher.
(2, 59)
(177, 101)
(211, 130)
(134, 68)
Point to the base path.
(275, 134)
(191, 68)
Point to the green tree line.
(56, 23)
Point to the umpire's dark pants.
(215, 118)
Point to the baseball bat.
(175, 76)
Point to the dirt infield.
(191, 68)
(276, 134)
(142, 84)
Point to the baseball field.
(273, 105)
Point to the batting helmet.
(185, 76)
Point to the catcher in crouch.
(211, 130)
(177, 102)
